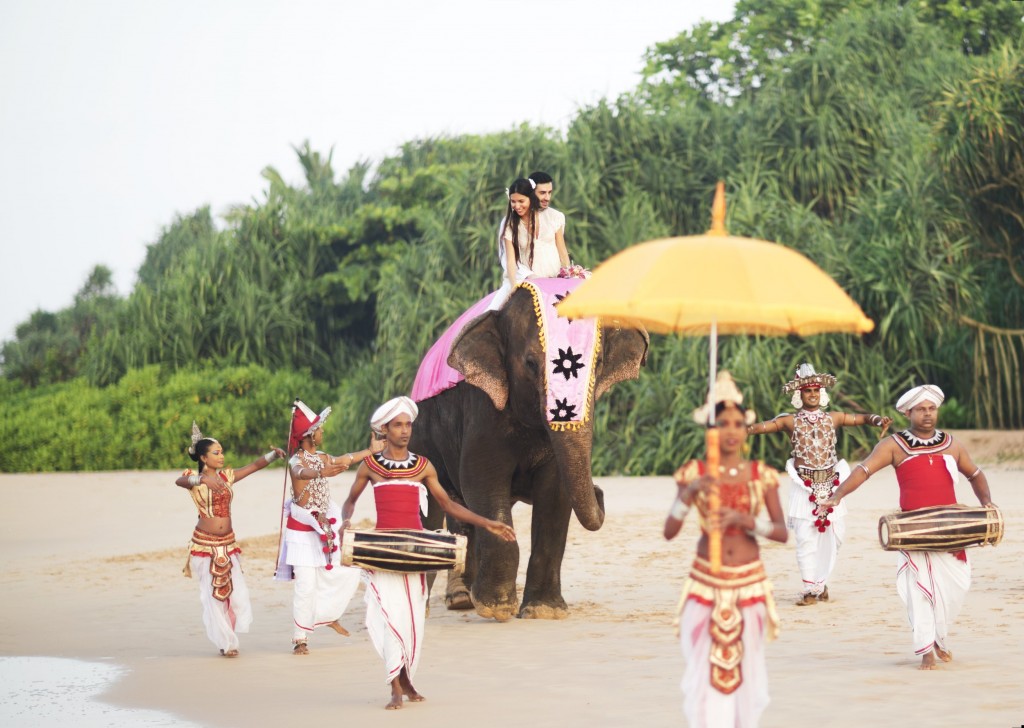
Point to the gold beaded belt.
(814, 476)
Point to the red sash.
(298, 525)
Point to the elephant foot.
(458, 599)
(536, 610)
(497, 612)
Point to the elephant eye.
(531, 364)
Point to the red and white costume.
(932, 585)
(216, 559)
(321, 594)
(396, 604)
(725, 619)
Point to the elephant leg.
(542, 595)
(497, 562)
(457, 594)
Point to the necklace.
(733, 472)
(916, 441)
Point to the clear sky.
(116, 115)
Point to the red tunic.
(398, 505)
(924, 481)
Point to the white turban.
(917, 395)
(390, 410)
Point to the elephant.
(493, 442)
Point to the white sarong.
(816, 552)
(933, 586)
(224, 620)
(703, 705)
(396, 606)
(321, 595)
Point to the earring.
(746, 448)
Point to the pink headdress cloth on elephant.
(570, 351)
(392, 409)
(917, 395)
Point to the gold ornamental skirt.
(727, 593)
(219, 549)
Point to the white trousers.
(816, 551)
(933, 587)
(396, 606)
(224, 620)
(703, 705)
(321, 596)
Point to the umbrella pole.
(712, 457)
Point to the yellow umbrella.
(706, 284)
(688, 284)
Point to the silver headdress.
(196, 437)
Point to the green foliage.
(145, 419)
(49, 346)
(725, 60)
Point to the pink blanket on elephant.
(570, 349)
(434, 375)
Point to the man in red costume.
(932, 585)
(396, 603)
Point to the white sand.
(93, 573)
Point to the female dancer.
(724, 616)
(531, 241)
(213, 552)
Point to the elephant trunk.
(572, 451)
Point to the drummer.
(932, 585)
(396, 603)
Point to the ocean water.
(40, 692)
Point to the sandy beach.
(93, 573)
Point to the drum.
(941, 528)
(404, 550)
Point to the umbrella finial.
(718, 211)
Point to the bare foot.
(944, 655)
(823, 597)
(336, 626)
(927, 661)
(806, 600)
(229, 653)
(395, 703)
(410, 692)
(300, 648)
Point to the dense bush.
(145, 419)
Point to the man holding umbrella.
(815, 472)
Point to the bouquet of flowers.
(573, 271)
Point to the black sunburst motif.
(563, 411)
(567, 364)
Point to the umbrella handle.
(712, 458)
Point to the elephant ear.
(478, 353)
(624, 352)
